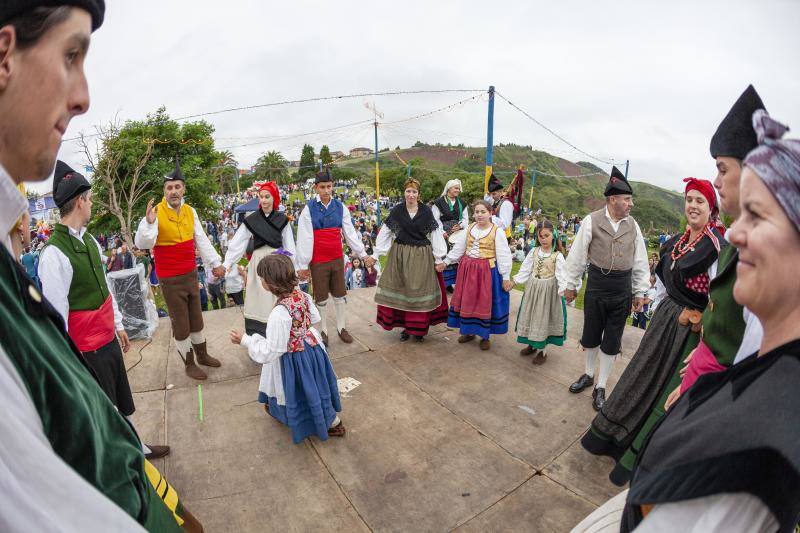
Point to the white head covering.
(451, 183)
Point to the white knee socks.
(606, 362)
(197, 337)
(183, 346)
(591, 359)
(323, 313)
(341, 317)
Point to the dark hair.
(546, 224)
(70, 204)
(278, 273)
(32, 25)
(484, 203)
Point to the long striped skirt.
(479, 305)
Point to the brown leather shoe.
(485, 344)
(157, 451)
(192, 370)
(528, 350)
(324, 338)
(465, 338)
(540, 358)
(345, 336)
(202, 356)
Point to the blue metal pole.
(489, 141)
(377, 176)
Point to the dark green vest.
(88, 289)
(83, 426)
(723, 320)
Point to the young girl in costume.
(480, 302)
(542, 316)
(298, 385)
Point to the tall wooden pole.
(489, 141)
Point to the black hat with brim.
(175, 174)
(617, 184)
(10, 9)
(735, 136)
(67, 184)
(494, 184)
(323, 177)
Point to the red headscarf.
(705, 188)
(272, 188)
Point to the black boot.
(584, 381)
(598, 398)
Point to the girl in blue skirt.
(298, 385)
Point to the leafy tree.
(227, 172)
(130, 161)
(272, 166)
(307, 162)
(325, 155)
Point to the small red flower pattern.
(698, 283)
(297, 305)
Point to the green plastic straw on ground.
(200, 400)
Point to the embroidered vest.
(297, 306)
(610, 250)
(486, 247)
(544, 267)
(174, 249)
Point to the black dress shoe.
(157, 451)
(598, 398)
(404, 336)
(583, 382)
(419, 338)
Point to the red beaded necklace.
(681, 247)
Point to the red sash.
(92, 329)
(327, 245)
(175, 259)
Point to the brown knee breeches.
(182, 295)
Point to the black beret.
(175, 174)
(10, 9)
(67, 184)
(617, 183)
(494, 184)
(735, 136)
(323, 177)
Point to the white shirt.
(501, 249)
(505, 217)
(238, 245)
(269, 348)
(386, 238)
(147, 233)
(305, 236)
(526, 269)
(579, 256)
(55, 273)
(438, 216)
(14, 205)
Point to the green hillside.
(655, 208)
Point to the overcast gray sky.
(641, 80)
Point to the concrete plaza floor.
(440, 436)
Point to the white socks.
(606, 362)
(341, 317)
(322, 307)
(335, 422)
(183, 346)
(591, 359)
(197, 337)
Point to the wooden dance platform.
(440, 436)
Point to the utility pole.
(489, 141)
(376, 115)
(627, 162)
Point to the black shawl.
(693, 263)
(266, 230)
(449, 216)
(412, 231)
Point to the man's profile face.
(41, 89)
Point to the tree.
(307, 162)
(226, 171)
(272, 166)
(130, 161)
(325, 155)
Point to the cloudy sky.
(641, 80)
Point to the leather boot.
(202, 356)
(192, 370)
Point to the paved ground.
(441, 436)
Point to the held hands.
(303, 274)
(218, 271)
(508, 285)
(638, 303)
(570, 295)
(152, 212)
(440, 267)
(236, 336)
(672, 398)
(122, 335)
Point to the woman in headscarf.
(684, 267)
(452, 215)
(262, 232)
(410, 292)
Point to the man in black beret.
(71, 461)
(611, 242)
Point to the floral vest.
(297, 305)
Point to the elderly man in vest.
(173, 230)
(73, 279)
(611, 242)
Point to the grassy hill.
(655, 208)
